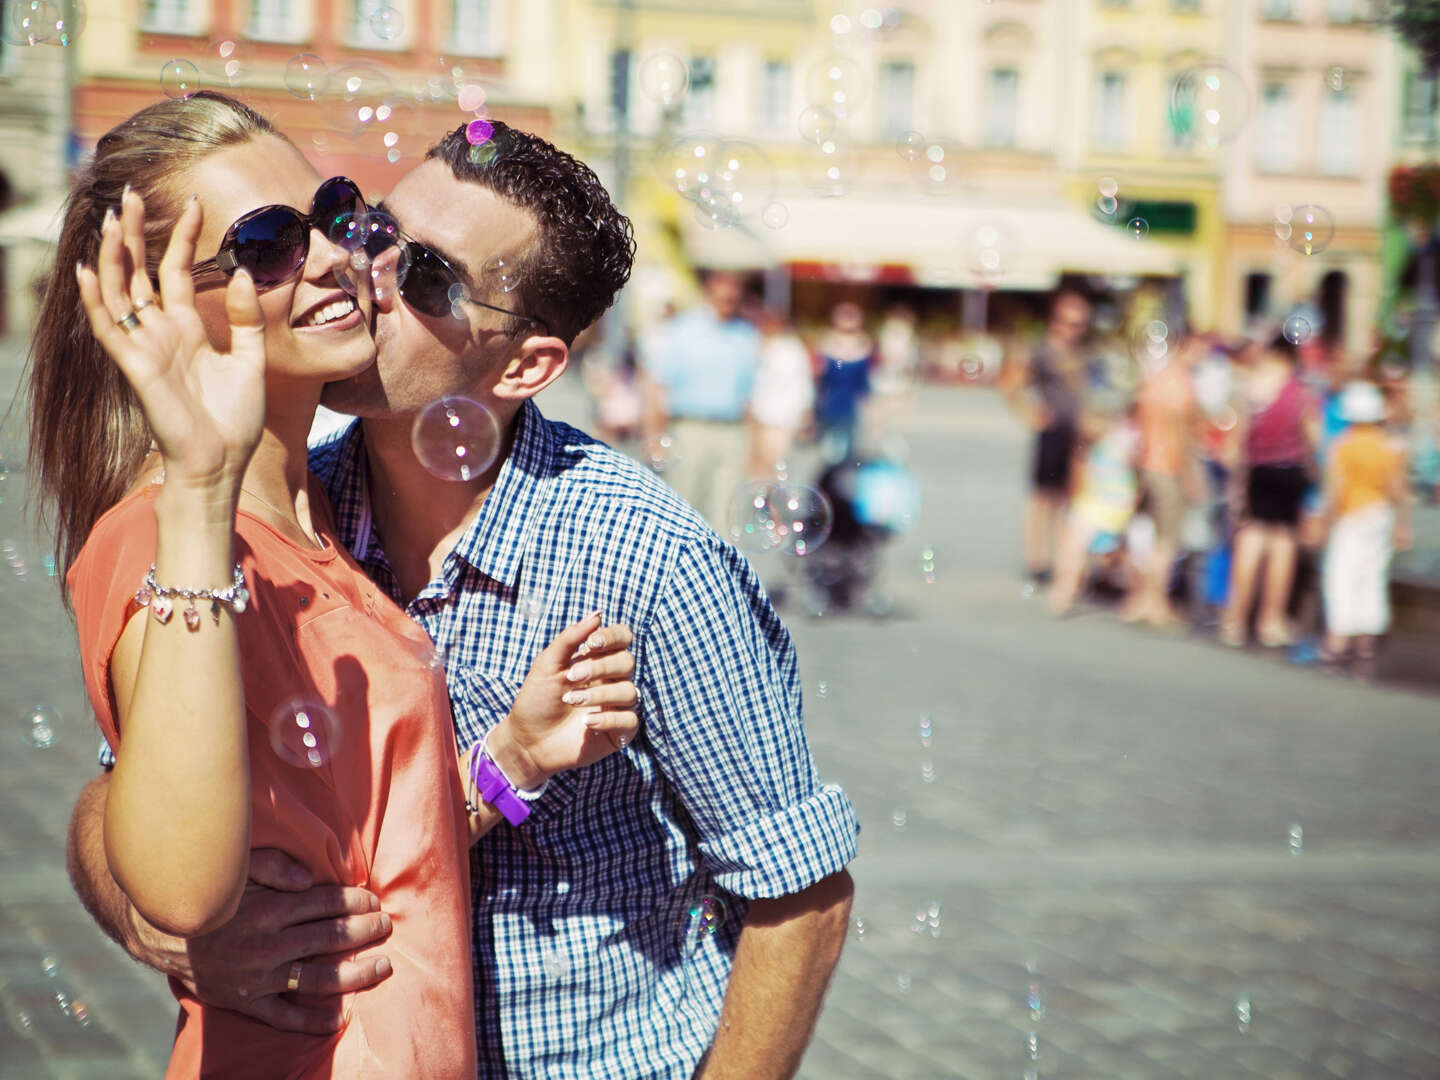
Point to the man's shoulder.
(615, 482)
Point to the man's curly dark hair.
(585, 246)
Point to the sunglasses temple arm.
(505, 311)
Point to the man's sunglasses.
(272, 242)
(424, 279)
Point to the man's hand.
(283, 920)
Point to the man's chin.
(359, 395)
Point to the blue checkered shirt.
(605, 925)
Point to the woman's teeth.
(330, 312)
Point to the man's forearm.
(787, 952)
(90, 876)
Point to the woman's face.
(266, 171)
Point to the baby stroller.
(872, 501)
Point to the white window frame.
(777, 77)
(1276, 134)
(358, 34)
(169, 17)
(896, 117)
(1008, 137)
(481, 34)
(1107, 132)
(279, 22)
(1337, 153)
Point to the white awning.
(36, 221)
(944, 244)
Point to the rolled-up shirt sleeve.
(721, 695)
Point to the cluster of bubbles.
(726, 180)
(73, 1010)
(304, 733)
(1152, 345)
(39, 727)
(15, 560)
(1110, 209)
(780, 516)
(1243, 1014)
(935, 165)
(927, 565)
(927, 919)
(455, 438)
(43, 22)
(1295, 837)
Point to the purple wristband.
(490, 782)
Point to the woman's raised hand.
(205, 407)
(576, 706)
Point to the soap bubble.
(838, 83)
(911, 145)
(664, 78)
(1296, 837)
(1209, 104)
(816, 123)
(938, 168)
(39, 727)
(470, 97)
(1337, 78)
(223, 56)
(794, 518)
(1312, 229)
(479, 131)
(304, 733)
(776, 215)
(839, 166)
(501, 274)
(1109, 187)
(455, 438)
(49, 966)
(306, 76)
(357, 98)
(1296, 329)
(688, 164)
(1138, 228)
(31, 22)
(180, 79)
(706, 915)
(386, 23)
(1108, 206)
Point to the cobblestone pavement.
(1097, 849)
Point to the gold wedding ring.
(293, 982)
(128, 321)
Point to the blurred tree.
(1418, 23)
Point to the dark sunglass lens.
(272, 245)
(427, 282)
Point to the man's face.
(723, 291)
(1070, 320)
(419, 357)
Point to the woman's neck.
(275, 485)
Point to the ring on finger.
(128, 322)
(142, 305)
(293, 982)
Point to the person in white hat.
(1368, 505)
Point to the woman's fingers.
(132, 239)
(176, 287)
(603, 695)
(605, 640)
(102, 323)
(247, 321)
(110, 269)
(595, 669)
(558, 653)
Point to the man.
(1048, 393)
(606, 926)
(701, 365)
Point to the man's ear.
(538, 363)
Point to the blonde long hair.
(88, 435)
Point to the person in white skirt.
(1369, 509)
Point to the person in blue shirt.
(674, 911)
(702, 364)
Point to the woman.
(257, 689)
(1278, 433)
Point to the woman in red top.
(1277, 434)
(257, 688)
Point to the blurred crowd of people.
(1258, 487)
(1278, 475)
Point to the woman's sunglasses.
(423, 278)
(272, 242)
